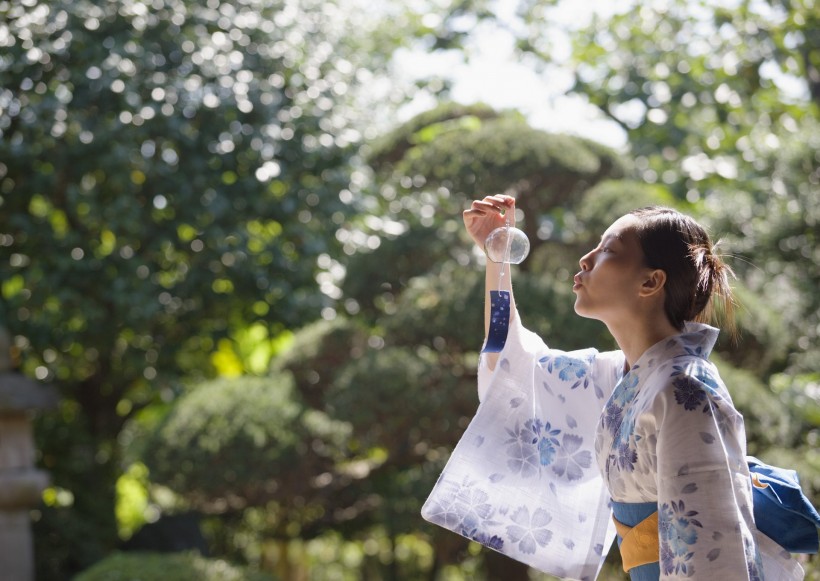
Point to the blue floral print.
(708, 380)
(514, 477)
(696, 351)
(522, 451)
(572, 461)
(473, 507)
(677, 529)
(626, 457)
(465, 508)
(619, 419)
(490, 541)
(528, 531)
(688, 392)
(701, 390)
(686, 549)
(447, 511)
(613, 416)
(547, 448)
(568, 369)
(625, 390)
(538, 445)
(694, 386)
(701, 377)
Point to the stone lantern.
(21, 484)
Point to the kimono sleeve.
(603, 370)
(705, 522)
(522, 479)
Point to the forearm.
(481, 219)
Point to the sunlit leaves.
(715, 100)
(211, 96)
(435, 163)
(692, 76)
(169, 171)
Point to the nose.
(586, 261)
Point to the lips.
(577, 280)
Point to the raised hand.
(487, 214)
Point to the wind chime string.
(507, 246)
(500, 304)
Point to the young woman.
(669, 444)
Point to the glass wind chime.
(505, 245)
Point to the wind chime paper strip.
(499, 321)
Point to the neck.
(637, 335)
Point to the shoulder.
(693, 409)
(587, 361)
(584, 368)
(689, 384)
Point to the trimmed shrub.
(232, 443)
(167, 567)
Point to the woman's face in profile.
(608, 284)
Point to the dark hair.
(697, 280)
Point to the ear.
(653, 284)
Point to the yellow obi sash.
(639, 544)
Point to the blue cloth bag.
(782, 512)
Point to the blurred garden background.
(231, 239)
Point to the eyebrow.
(615, 236)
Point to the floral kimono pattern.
(669, 434)
(557, 434)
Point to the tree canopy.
(171, 175)
(244, 272)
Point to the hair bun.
(697, 286)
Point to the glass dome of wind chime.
(505, 245)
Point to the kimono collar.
(696, 340)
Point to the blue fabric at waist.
(630, 514)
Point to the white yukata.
(524, 481)
(669, 434)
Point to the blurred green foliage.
(721, 106)
(191, 190)
(168, 172)
(231, 443)
(452, 154)
(167, 567)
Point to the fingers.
(487, 214)
(496, 203)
